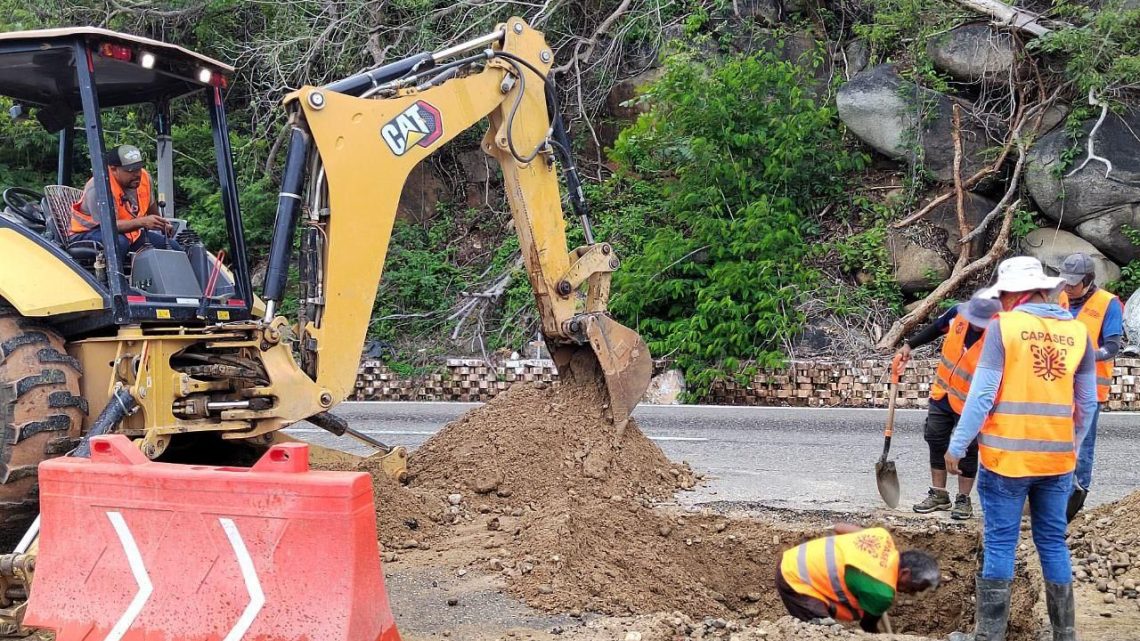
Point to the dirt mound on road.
(670, 627)
(1105, 544)
(621, 557)
(401, 514)
(538, 444)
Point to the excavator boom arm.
(361, 150)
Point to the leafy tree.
(736, 158)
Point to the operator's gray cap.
(126, 156)
(979, 310)
(1076, 267)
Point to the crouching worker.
(852, 575)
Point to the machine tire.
(41, 413)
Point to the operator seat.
(59, 199)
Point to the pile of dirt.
(537, 444)
(676, 626)
(1105, 544)
(402, 516)
(620, 557)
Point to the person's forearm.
(1109, 349)
(979, 402)
(1084, 397)
(925, 336)
(125, 226)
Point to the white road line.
(138, 569)
(252, 584)
(694, 439)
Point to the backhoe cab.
(67, 79)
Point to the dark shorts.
(802, 607)
(940, 423)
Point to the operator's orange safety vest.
(1029, 432)
(956, 367)
(818, 568)
(1092, 315)
(124, 209)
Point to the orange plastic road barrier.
(133, 550)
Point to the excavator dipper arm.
(360, 149)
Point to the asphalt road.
(779, 457)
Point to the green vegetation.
(738, 156)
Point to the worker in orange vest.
(1030, 404)
(1103, 315)
(851, 575)
(962, 326)
(137, 218)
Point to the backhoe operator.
(138, 221)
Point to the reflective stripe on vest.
(82, 222)
(956, 367)
(1092, 315)
(1029, 432)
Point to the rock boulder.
(1096, 205)
(1051, 246)
(904, 121)
(973, 52)
(945, 216)
(917, 269)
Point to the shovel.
(886, 477)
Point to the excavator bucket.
(618, 356)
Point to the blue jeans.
(160, 241)
(1002, 499)
(1083, 474)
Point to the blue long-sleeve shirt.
(987, 379)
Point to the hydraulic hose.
(118, 407)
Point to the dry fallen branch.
(1006, 15)
(997, 250)
(959, 191)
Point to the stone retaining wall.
(861, 383)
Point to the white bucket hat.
(1021, 274)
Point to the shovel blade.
(887, 478)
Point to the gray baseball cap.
(126, 156)
(1076, 267)
(979, 310)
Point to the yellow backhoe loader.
(171, 347)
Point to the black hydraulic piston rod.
(288, 211)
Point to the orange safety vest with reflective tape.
(818, 568)
(124, 209)
(1092, 315)
(956, 368)
(1029, 431)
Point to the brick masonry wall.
(862, 383)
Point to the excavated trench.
(576, 520)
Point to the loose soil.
(537, 490)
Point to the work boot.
(935, 500)
(963, 509)
(992, 615)
(1062, 610)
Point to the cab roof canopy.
(39, 68)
